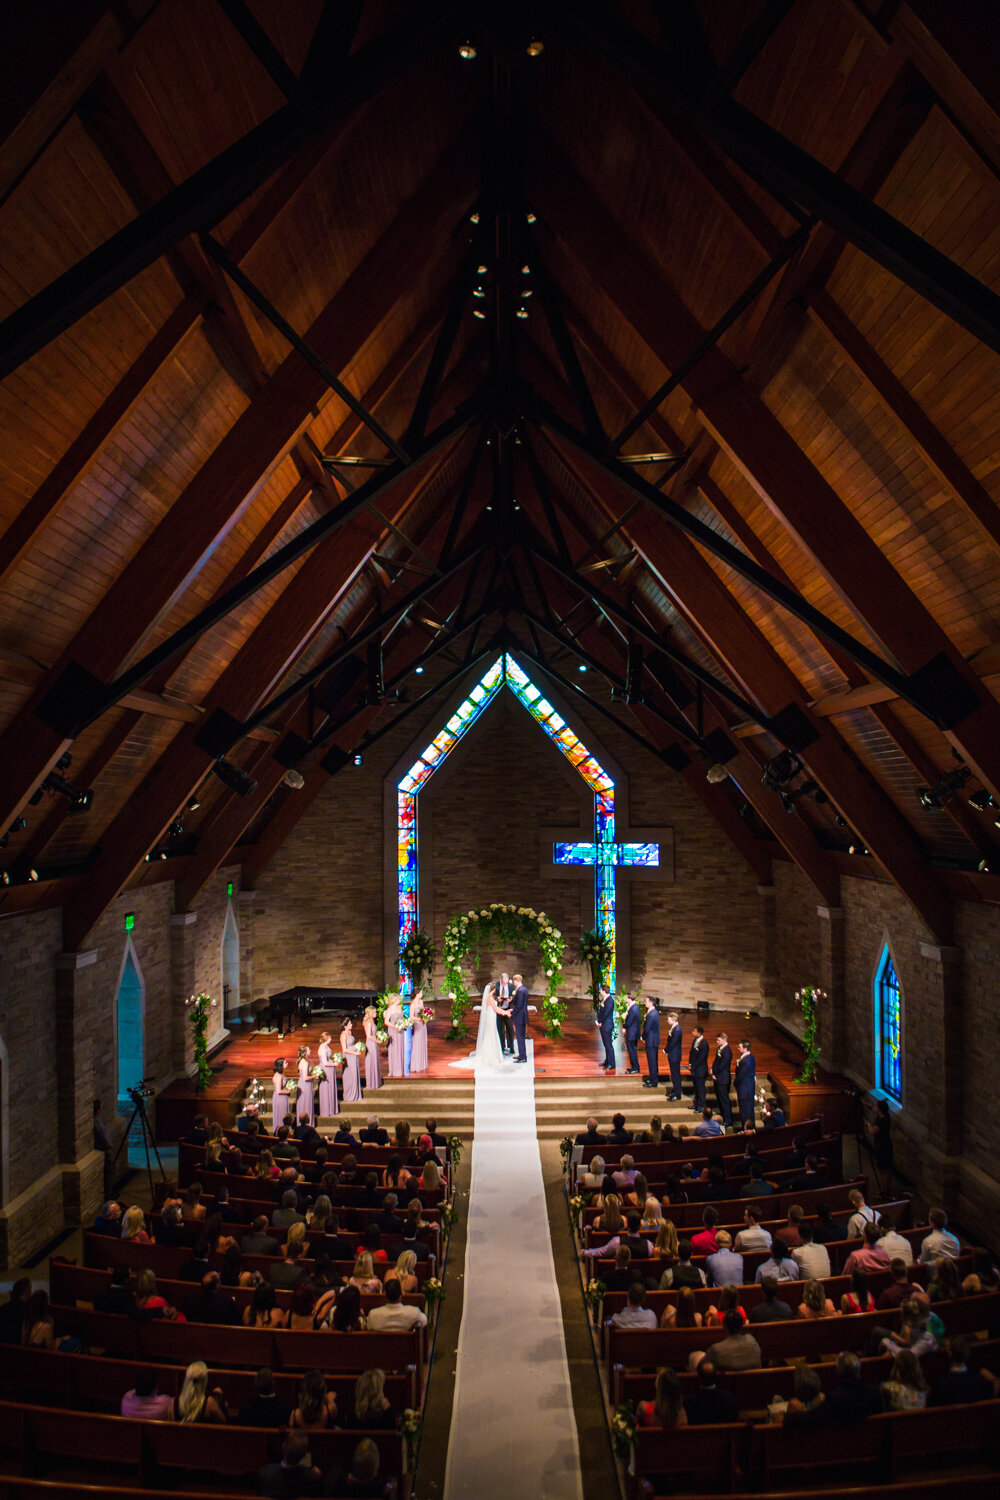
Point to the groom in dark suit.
(651, 1036)
(633, 1030)
(606, 1022)
(673, 1051)
(503, 993)
(519, 1016)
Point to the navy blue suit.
(651, 1036)
(746, 1086)
(633, 1031)
(673, 1050)
(519, 1015)
(721, 1066)
(698, 1063)
(606, 1021)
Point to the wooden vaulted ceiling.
(241, 238)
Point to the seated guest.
(610, 1220)
(371, 1408)
(401, 1135)
(308, 1136)
(916, 1333)
(906, 1388)
(725, 1267)
(815, 1303)
(285, 1145)
(372, 1134)
(119, 1295)
(266, 1166)
(286, 1273)
(625, 1175)
(149, 1305)
(667, 1408)
(13, 1312)
(144, 1400)
(718, 1187)
(232, 1272)
(317, 1407)
(263, 1310)
(705, 1241)
(940, 1241)
(431, 1127)
(594, 1178)
(591, 1136)
(758, 1185)
(753, 1236)
(944, 1285)
(871, 1256)
(394, 1315)
(859, 1299)
(109, 1220)
(895, 1245)
(773, 1117)
(432, 1180)
(300, 1312)
(397, 1176)
(789, 1231)
(739, 1350)
(288, 1213)
(861, 1215)
(198, 1263)
(797, 1156)
(636, 1314)
(224, 1209)
(236, 1165)
(414, 1235)
(250, 1112)
(729, 1301)
(684, 1273)
(666, 1240)
(622, 1276)
(683, 1313)
(198, 1134)
(405, 1272)
(708, 1405)
(295, 1241)
(781, 1267)
(192, 1209)
(372, 1195)
(371, 1240)
(252, 1143)
(773, 1309)
(263, 1408)
(347, 1316)
(134, 1226)
(962, 1384)
(258, 1241)
(336, 1245)
(363, 1276)
(851, 1400)
(315, 1170)
(707, 1125)
(295, 1474)
(807, 1407)
(899, 1289)
(811, 1180)
(213, 1160)
(812, 1260)
(196, 1403)
(39, 1326)
(212, 1305)
(345, 1135)
(362, 1477)
(320, 1214)
(827, 1229)
(636, 1241)
(618, 1135)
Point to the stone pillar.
(769, 982)
(246, 907)
(833, 1012)
(932, 1041)
(81, 1166)
(182, 986)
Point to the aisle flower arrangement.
(199, 1007)
(501, 925)
(596, 952)
(594, 1294)
(623, 1429)
(809, 998)
(565, 1151)
(433, 1293)
(455, 1150)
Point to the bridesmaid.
(328, 1106)
(373, 1065)
(352, 1064)
(418, 1049)
(397, 1039)
(279, 1099)
(305, 1100)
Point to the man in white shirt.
(940, 1242)
(395, 1315)
(636, 1315)
(894, 1245)
(812, 1260)
(861, 1216)
(754, 1236)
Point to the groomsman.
(651, 1037)
(698, 1067)
(722, 1073)
(746, 1083)
(606, 1023)
(633, 1030)
(673, 1047)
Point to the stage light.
(474, 218)
(982, 801)
(983, 867)
(4, 877)
(531, 218)
(419, 671)
(79, 800)
(650, 458)
(950, 782)
(477, 312)
(857, 847)
(716, 773)
(194, 804)
(521, 313)
(18, 826)
(481, 270)
(535, 48)
(231, 776)
(525, 270)
(467, 52)
(582, 667)
(176, 829)
(294, 779)
(807, 789)
(479, 291)
(358, 758)
(781, 769)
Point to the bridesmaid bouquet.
(381, 1038)
(427, 1014)
(359, 1049)
(337, 1059)
(292, 1091)
(318, 1073)
(402, 1023)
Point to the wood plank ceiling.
(497, 253)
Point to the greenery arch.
(502, 925)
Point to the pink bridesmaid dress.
(373, 1063)
(418, 1049)
(328, 1106)
(279, 1103)
(397, 1048)
(352, 1071)
(304, 1103)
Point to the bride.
(488, 1054)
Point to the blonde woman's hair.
(369, 1393)
(194, 1392)
(133, 1223)
(611, 1216)
(666, 1239)
(406, 1263)
(814, 1296)
(296, 1239)
(597, 1167)
(431, 1176)
(652, 1212)
(215, 1131)
(364, 1270)
(370, 1010)
(265, 1162)
(213, 1156)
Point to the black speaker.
(219, 733)
(633, 673)
(73, 698)
(335, 760)
(376, 680)
(793, 728)
(719, 747)
(948, 696)
(676, 758)
(704, 1006)
(290, 750)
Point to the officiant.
(503, 992)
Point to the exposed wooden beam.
(958, 49)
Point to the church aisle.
(513, 1430)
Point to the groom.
(504, 998)
(519, 1016)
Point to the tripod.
(855, 1120)
(138, 1095)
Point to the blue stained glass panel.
(888, 1029)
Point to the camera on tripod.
(141, 1090)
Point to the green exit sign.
(129, 920)
(229, 889)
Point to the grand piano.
(303, 1001)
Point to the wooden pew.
(698, 1147)
(774, 1208)
(714, 1455)
(688, 1218)
(657, 1163)
(103, 1253)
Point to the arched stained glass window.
(888, 1029)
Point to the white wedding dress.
(488, 1056)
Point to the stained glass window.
(888, 1018)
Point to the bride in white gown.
(488, 1055)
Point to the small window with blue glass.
(888, 1029)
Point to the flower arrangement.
(565, 1151)
(199, 1008)
(576, 1205)
(449, 1217)
(417, 956)
(359, 1049)
(381, 1037)
(411, 1426)
(623, 1428)
(292, 1092)
(455, 1149)
(501, 925)
(337, 1058)
(597, 952)
(593, 1294)
(318, 1073)
(809, 998)
(433, 1293)
(401, 1023)
(427, 1014)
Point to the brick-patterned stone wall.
(977, 935)
(29, 945)
(798, 940)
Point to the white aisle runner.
(513, 1432)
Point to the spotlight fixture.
(79, 799)
(531, 218)
(780, 770)
(744, 812)
(481, 270)
(716, 773)
(4, 877)
(19, 825)
(983, 801)
(582, 667)
(231, 776)
(477, 312)
(294, 779)
(354, 461)
(419, 671)
(474, 218)
(535, 48)
(194, 803)
(521, 313)
(950, 782)
(807, 789)
(650, 458)
(467, 52)
(479, 291)
(525, 269)
(857, 847)
(633, 673)
(176, 829)
(358, 758)
(983, 867)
